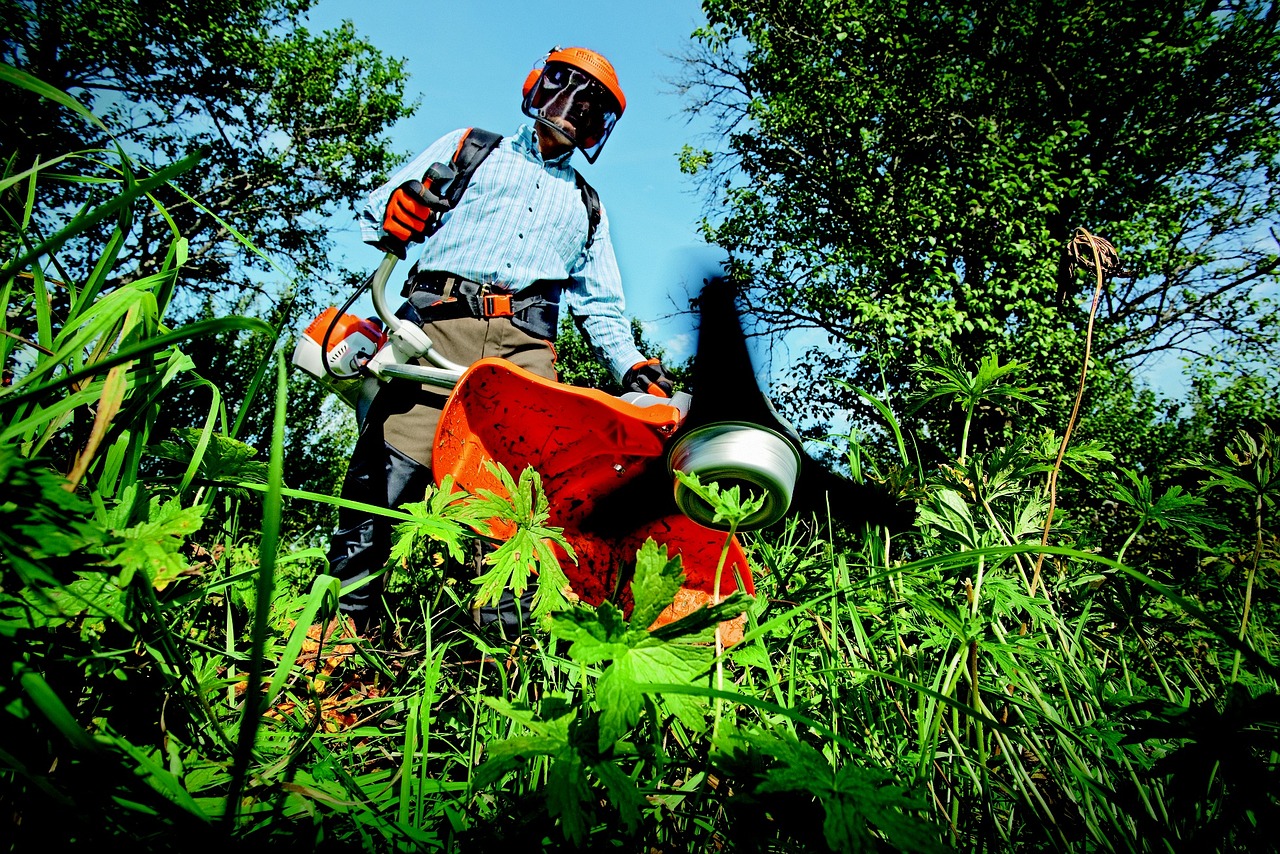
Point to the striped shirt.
(521, 220)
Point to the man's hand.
(648, 378)
(409, 210)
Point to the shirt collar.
(528, 144)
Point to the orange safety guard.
(585, 444)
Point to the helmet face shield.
(575, 105)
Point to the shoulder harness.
(477, 144)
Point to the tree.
(291, 124)
(904, 175)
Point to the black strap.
(535, 309)
(477, 144)
(591, 199)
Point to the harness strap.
(444, 296)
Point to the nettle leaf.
(529, 550)
(560, 737)
(595, 636)
(620, 690)
(441, 518)
(550, 738)
(39, 518)
(225, 461)
(654, 587)
(677, 653)
(567, 791)
(623, 793)
(152, 547)
(729, 506)
(855, 799)
(90, 600)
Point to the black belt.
(435, 295)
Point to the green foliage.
(218, 460)
(903, 178)
(947, 377)
(173, 670)
(579, 742)
(854, 800)
(639, 657)
(528, 549)
(577, 364)
(153, 547)
(290, 124)
(442, 518)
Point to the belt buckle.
(495, 305)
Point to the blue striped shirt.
(521, 220)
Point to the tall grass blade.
(268, 546)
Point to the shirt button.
(520, 235)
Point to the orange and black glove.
(410, 210)
(648, 378)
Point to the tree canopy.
(905, 176)
(292, 124)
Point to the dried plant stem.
(1075, 409)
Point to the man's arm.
(595, 298)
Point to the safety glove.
(409, 211)
(648, 378)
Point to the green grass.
(916, 692)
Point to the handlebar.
(406, 341)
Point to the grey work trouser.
(391, 464)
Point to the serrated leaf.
(529, 550)
(152, 547)
(225, 461)
(620, 689)
(567, 791)
(597, 635)
(622, 793)
(657, 579)
(947, 511)
(853, 798)
(442, 517)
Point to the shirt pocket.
(570, 228)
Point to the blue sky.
(467, 62)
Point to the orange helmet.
(575, 91)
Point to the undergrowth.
(171, 676)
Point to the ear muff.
(530, 81)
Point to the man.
(494, 267)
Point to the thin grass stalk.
(82, 221)
(258, 377)
(174, 656)
(268, 545)
(929, 717)
(42, 302)
(124, 355)
(406, 811)
(1248, 589)
(715, 600)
